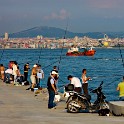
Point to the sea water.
(106, 65)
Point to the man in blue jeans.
(52, 90)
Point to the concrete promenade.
(18, 106)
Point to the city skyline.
(82, 15)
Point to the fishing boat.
(74, 51)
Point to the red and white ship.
(74, 51)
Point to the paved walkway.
(18, 106)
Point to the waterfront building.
(6, 37)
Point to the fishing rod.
(121, 55)
(62, 46)
(2, 53)
(39, 55)
(50, 64)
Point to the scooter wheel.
(73, 106)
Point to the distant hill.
(51, 32)
(45, 32)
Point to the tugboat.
(74, 51)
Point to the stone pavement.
(19, 106)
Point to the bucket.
(35, 89)
(66, 94)
(57, 98)
(23, 83)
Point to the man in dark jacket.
(52, 90)
(26, 68)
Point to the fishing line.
(107, 76)
(122, 64)
(62, 80)
(111, 82)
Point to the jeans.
(51, 99)
(20, 79)
(7, 78)
(78, 89)
(25, 76)
(15, 77)
(85, 88)
(39, 82)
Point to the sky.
(81, 16)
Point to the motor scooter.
(77, 102)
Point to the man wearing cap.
(76, 82)
(52, 90)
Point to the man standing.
(85, 81)
(120, 88)
(40, 76)
(76, 82)
(26, 68)
(52, 90)
(33, 76)
(14, 71)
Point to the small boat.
(76, 52)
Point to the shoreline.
(56, 48)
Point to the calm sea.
(106, 65)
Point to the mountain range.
(53, 32)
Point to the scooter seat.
(87, 96)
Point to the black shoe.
(32, 89)
(52, 108)
(28, 88)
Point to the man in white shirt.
(14, 71)
(76, 82)
(85, 81)
(40, 76)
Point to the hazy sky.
(83, 15)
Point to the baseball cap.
(54, 72)
(35, 65)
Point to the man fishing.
(52, 89)
(120, 88)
